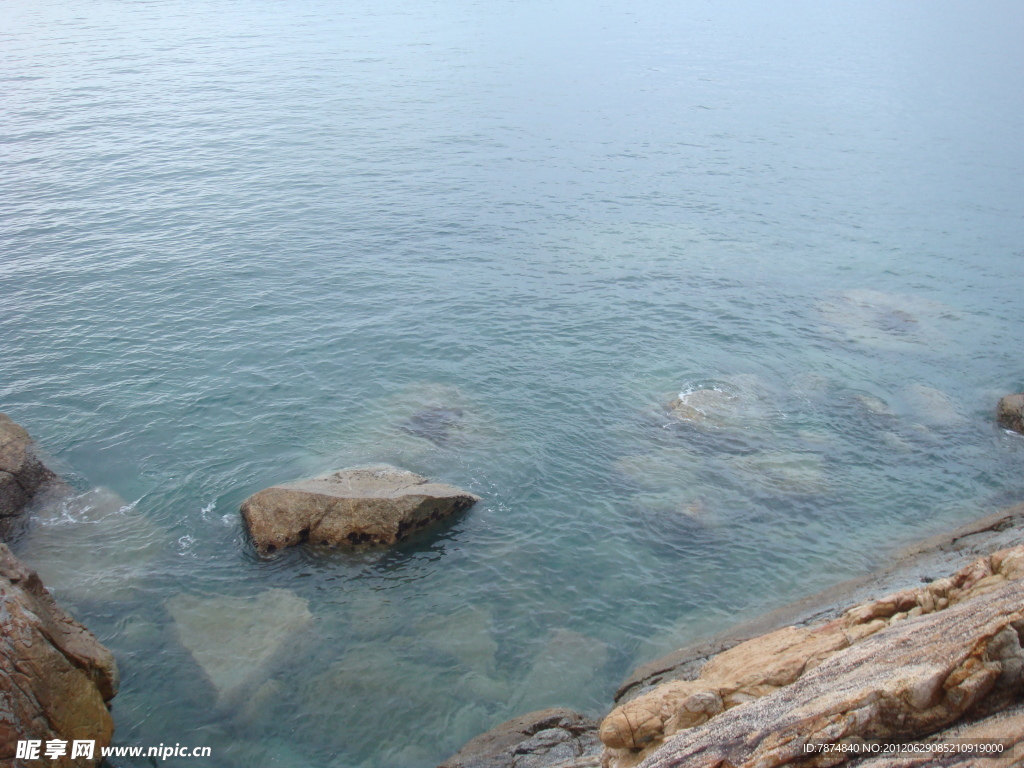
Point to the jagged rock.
(536, 740)
(1010, 413)
(236, 639)
(367, 505)
(899, 667)
(55, 677)
(21, 472)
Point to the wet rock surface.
(21, 472)
(55, 677)
(360, 506)
(543, 739)
(1010, 412)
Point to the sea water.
(491, 242)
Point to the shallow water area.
(246, 243)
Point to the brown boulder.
(55, 677)
(544, 739)
(21, 473)
(365, 505)
(1010, 413)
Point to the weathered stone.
(367, 505)
(1006, 727)
(236, 639)
(544, 738)
(904, 682)
(901, 666)
(21, 472)
(12, 496)
(55, 677)
(1010, 413)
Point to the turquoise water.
(246, 242)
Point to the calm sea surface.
(244, 242)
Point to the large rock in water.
(21, 473)
(365, 505)
(1010, 412)
(55, 677)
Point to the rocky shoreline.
(684, 708)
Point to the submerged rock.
(735, 402)
(883, 319)
(569, 664)
(55, 677)
(896, 668)
(368, 505)
(874, 405)
(465, 636)
(1010, 412)
(21, 472)
(702, 406)
(933, 406)
(236, 639)
(783, 472)
(539, 739)
(435, 423)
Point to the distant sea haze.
(711, 304)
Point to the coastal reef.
(361, 506)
